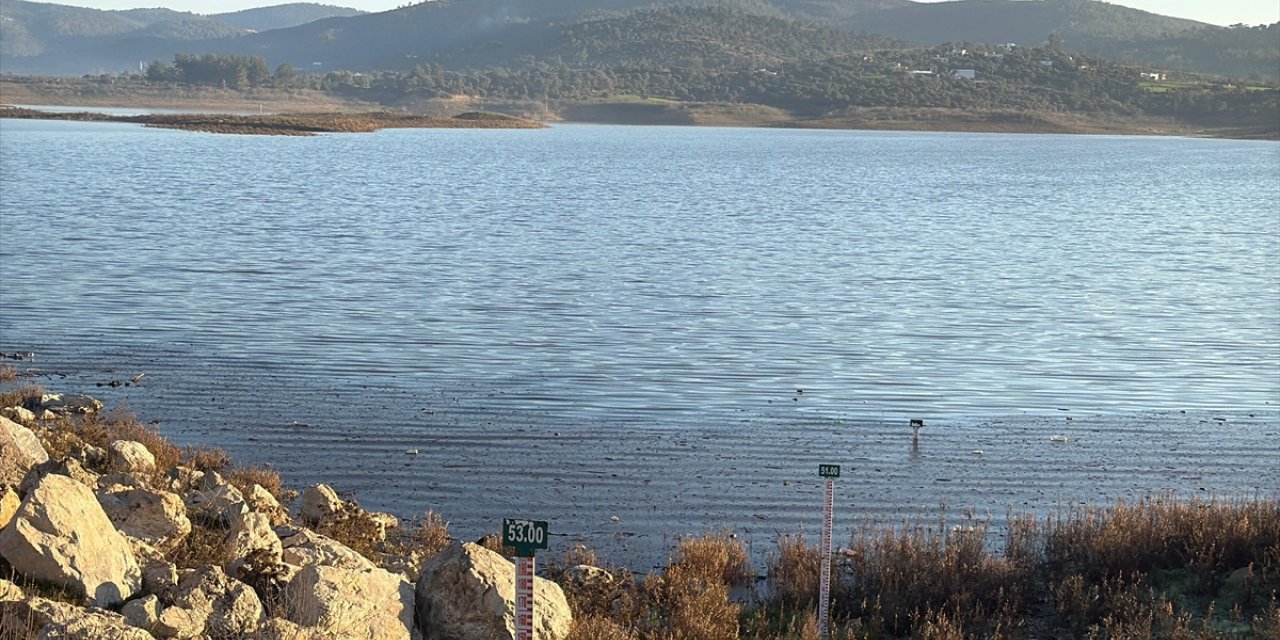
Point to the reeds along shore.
(1159, 567)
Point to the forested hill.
(1075, 23)
(283, 16)
(673, 36)
(729, 34)
(58, 39)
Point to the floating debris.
(411, 452)
(1059, 439)
(977, 452)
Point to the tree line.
(1039, 79)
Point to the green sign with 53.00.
(525, 536)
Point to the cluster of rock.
(94, 531)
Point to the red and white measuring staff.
(830, 472)
(524, 597)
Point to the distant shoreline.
(295, 124)
(436, 113)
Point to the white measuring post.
(526, 537)
(830, 472)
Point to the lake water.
(670, 325)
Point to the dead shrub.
(493, 542)
(73, 436)
(243, 478)
(202, 458)
(1162, 532)
(8, 374)
(431, 536)
(937, 625)
(685, 604)
(689, 600)
(896, 574)
(793, 572)
(786, 624)
(122, 425)
(202, 547)
(357, 530)
(717, 557)
(27, 396)
(599, 628)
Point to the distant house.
(1009, 46)
(1152, 75)
(967, 74)
(997, 56)
(921, 72)
(959, 52)
(1046, 63)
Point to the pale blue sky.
(1223, 12)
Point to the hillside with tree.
(283, 16)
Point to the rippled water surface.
(585, 321)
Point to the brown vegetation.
(294, 124)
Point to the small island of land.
(288, 124)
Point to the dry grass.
(204, 546)
(205, 458)
(357, 530)
(430, 536)
(26, 396)
(8, 373)
(1162, 532)
(718, 557)
(243, 478)
(122, 425)
(903, 578)
(599, 628)
(793, 572)
(77, 435)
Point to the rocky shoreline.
(292, 124)
(123, 543)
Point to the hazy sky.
(1213, 11)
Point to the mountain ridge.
(514, 33)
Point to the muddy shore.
(629, 489)
(654, 112)
(295, 124)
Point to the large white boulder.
(20, 415)
(10, 591)
(9, 503)
(251, 536)
(131, 457)
(320, 503)
(156, 517)
(367, 604)
(69, 467)
(70, 403)
(213, 499)
(61, 535)
(209, 603)
(261, 501)
(468, 591)
(20, 450)
(45, 619)
(303, 547)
